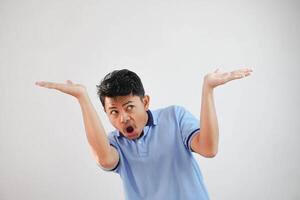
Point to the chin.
(135, 136)
(132, 136)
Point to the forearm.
(206, 143)
(209, 133)
(95, 132)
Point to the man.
(150, 150)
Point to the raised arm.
(104, 154)
(206, 142)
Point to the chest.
(158, 145)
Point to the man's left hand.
(217, 78)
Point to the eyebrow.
(128, 102)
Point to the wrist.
(206, 86)
(83, 96)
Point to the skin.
(131, 111)
(206, 141)
(127, 111)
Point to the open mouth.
(129, 129)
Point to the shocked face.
(127, 114)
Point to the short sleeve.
(114, 143)
(189, 125)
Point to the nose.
(124, 117)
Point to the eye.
(113, 112)
(130, 107)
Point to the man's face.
(127, 114)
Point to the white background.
(171, 45)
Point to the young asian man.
(151, 150)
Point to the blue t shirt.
(160, 164)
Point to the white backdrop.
(171, 45)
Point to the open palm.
(218, 78)
(69, 87)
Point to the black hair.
(120, 83)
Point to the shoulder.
(113, 136)
(113, 133)
(173, 111)
(172, 108)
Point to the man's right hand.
(75, 90)
(104, 154)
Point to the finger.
(235, 75)
(217, 70)
(39, 83)
(245, 70)
(44, 84)
(69, 82)
(50, 85)
(241, 75)
(247, 73)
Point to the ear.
(146, 101)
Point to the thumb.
(217, 70)
(69, 82)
